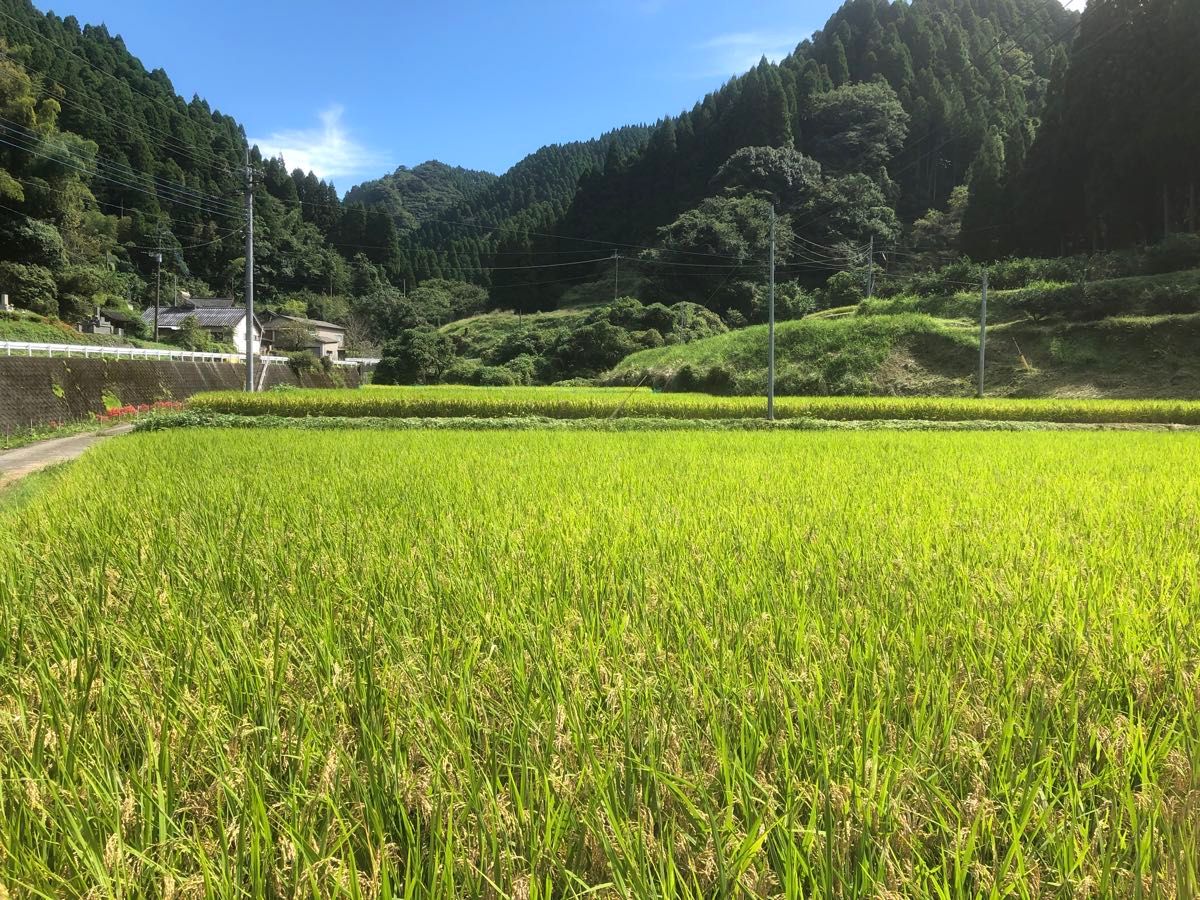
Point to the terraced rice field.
(585, 403)
(457, 664)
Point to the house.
(325, 339)
(225, 322)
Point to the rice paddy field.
(600, 403)
(552, 664)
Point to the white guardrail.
(29, 348)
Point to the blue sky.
(353, 90)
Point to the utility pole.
(983, 332)
(157, 281)
(249, 274)
(771, 329)
(616, 274)
(871, 269)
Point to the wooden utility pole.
(982, 333)
(871, 269)
(771, 328)
(157, 281)
(249, 274)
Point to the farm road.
(16, 464)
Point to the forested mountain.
(424, 192)
(531, 196)
(931, 128)
(1115, 161)
(102, 164)
(892, 101)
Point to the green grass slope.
(1146, 295)
(23, 326)
(478, 336)
(814, 356)
(916, 354)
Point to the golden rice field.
(586, 403)
(541, 664)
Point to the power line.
(507, 227)
(671, 262)
(215, 240)
(158, 101)
(581, 262)
(101, 172)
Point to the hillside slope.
(905, 351)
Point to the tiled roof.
(174, 316)
(317, 323)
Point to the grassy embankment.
(1121, 338)
(546, 665)
(28, 327)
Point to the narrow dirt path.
(16, 464)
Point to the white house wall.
(239, 337)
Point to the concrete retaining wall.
(40, 390)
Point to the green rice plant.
(601, 403)
(548, 664)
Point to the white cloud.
(329, 150)
(738, 52)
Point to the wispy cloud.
(328, 150)
(737, 52)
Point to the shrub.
(524, 368)
(418, 355)
(649, 339)
(461, 371)
(303, 362)
(575, 382)
(30, 287)
(191, 336)
(1173, 253)
(843, 289)
(686, 379)
(734, 319)
(719, 380)
(496, 376)
(693, 323)
(522, 342)
(34, 243)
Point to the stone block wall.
(41, 390)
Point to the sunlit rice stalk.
(600, 403)
(440, 664)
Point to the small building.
(291, 333)
(226, 324)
